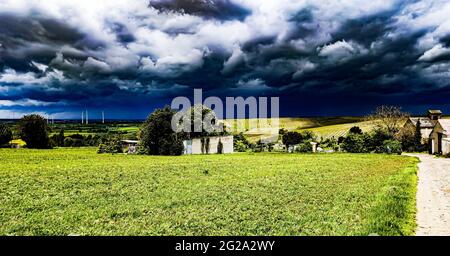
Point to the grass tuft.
(395, 207)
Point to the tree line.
(158, 138)
(35, 132)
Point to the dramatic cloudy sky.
(331, 57)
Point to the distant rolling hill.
(338, 130)
(323, 126)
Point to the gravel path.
(433, 196)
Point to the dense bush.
(259, 147)
(356, 143)
(33, 129)
(75, 140)
(295, 138)
(392, 147)
(304, 147)
(291, 138)
(378, 141)
(239, 146)
(270, 146)
(157, 136)
(377, 138)
(356, 130)
(263, 146)
(5, 134)
(406, 138)
(101, 149)
(329, 143)
(240, 143)
(172, 145)
(113, 146)
(68, 142)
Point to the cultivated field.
(76, 191)
(338, 130)
(325, 127)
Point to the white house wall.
(445, 146)
(196, 146)
(434, 140)
(227, 142)
(425, 133)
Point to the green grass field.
(76, 191)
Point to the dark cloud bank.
(320, 59)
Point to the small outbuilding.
(131, 145)
(209, 145)
(440, 137)
(17, 143)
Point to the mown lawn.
(76, 191)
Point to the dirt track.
(433, 196)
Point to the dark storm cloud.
(445, 40)
(143, 54)
(304, 25)
(122, 33)
(253, 44)
(365, 30)
(26, 39)
(217, 9)
(370, 71)
(15, 31)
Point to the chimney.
(434, 115)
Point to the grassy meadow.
(76, 191)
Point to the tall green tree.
(418, 137)
(220, 147)
(291, 138)
(157, 136)
(5, 134)
(205, 117)
(33, 129)
(60, 141)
